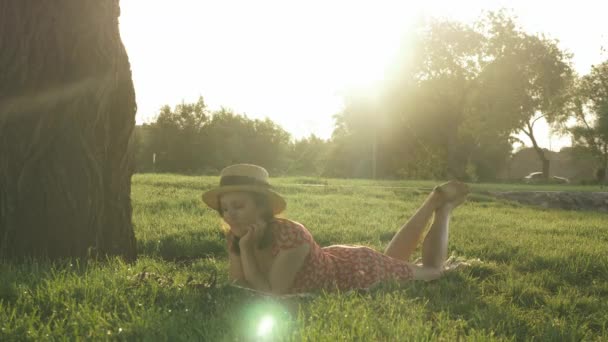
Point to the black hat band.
(242, 180)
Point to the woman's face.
(239, 211)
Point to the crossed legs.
(439, 204)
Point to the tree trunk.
(546, 165)
(545, 162)
(67, 111)
(539, 151)
(604, 182)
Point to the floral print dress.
(339, 266)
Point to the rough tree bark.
(67, 111)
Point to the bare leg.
(405, 241)
(444, 198)
(435, 245)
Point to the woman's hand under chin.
(248, 240)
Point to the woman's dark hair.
(261, 201)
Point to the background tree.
(528, 80)
(142, 148)
(269, 145)
(450, 109)
(177, 137)
(234, 138)
(453, 103)
(590, 109)
(189, 138)
(424, 105)
(308, 156)
(67, 110)
(354, 139)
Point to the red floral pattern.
(339, 266)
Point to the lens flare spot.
(265, 326)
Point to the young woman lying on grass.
(280, 256)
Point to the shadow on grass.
(33, 273)
(185, 246)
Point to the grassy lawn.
(542, 273)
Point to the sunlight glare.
(265, 326)
(292, 62)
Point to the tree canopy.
(450, 106)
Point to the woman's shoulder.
(283, 225)
(286, 224)
(289, 234)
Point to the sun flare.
(265, 326)
(293, 61)
(269, 58)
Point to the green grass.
(543, 273)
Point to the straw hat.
(244, 177)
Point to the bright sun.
(268, 58)
(292, 61)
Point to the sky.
(291, 61)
